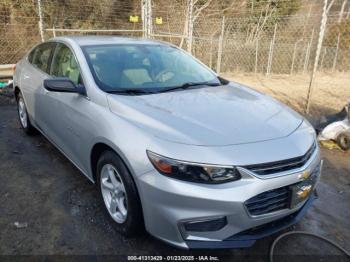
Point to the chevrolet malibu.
(196, 160)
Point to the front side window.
(64, 64)
(41, 56)
(138, 66)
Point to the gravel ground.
(62, 214)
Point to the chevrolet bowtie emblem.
(304, 192)
(304, 175)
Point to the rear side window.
(42, 56)
(31, 55)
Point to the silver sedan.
(196, 160)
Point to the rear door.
(31, 82)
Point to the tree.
(265, 14)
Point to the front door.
(69, 122)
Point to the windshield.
(145, 67)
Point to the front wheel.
(23, 115)
(119, 194)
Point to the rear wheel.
(119, 194)
(23, 115)
(343, 140)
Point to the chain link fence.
(18, 29)
(273, 53)
(25, 23)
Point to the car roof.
(105, 40)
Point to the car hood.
(208, 116)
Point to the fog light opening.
(206, 225)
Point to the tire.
(23, 115)
(343, 141)
(109, 165)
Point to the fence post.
(336, 54)
(221, 40)
(53, 31)
(324, 54)
(143, 17)
(256, 55)
(268, 59)
(317, 57)
(349, 57)
(41, 22)
(146, 13)
(189, 25)
(150, 28)
(211, 53)
(272, 46)
(294, 54)
(149, 18)
(307, 54)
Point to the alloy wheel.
(113, 193)
(22, 112)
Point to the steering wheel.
(164, 75)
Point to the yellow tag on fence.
(159, 20)
(134, 19)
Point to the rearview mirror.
(63, 84)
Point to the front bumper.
(169, 203)
(247, 238)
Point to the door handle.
(25, 76)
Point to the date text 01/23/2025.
(173, 258)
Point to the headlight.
(193, 172)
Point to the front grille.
(269, 201)
(283, 165)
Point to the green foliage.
(274, 11)
(69, 13)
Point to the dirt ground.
(65, 216)
(330, 91)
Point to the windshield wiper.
(131, 91)
(128, 91)
(190, 84)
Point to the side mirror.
(63, 84)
